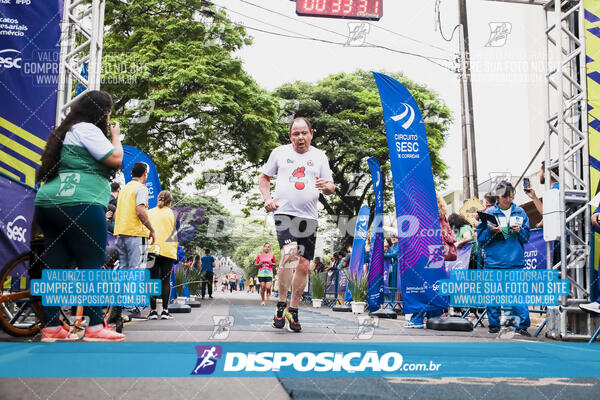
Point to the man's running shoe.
(103, 334)
(262, 303)
(58, 334)
(268, 295)
(591, 307)
(411, 324)
(165, 315)
(153, 315)
(279, 318)
(292, 317)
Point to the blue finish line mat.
(295, 359)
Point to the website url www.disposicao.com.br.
(351, 362)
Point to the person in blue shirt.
(207, 263)
(503, 247)
(594, 306)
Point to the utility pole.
(466, 94)
(463, 117)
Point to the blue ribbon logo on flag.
(358, 246)
(375, 292)
(419, 230)
(207, 359)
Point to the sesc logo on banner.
(10, 58)
(16, 230)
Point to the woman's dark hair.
(92, 107)
(456, 221)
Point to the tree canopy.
(175, 57)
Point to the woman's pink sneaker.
(104, 334)
(58, 334)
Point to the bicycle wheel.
(20, 314)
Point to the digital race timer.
(355, 9)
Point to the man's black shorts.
(297, 229)
(265, 279)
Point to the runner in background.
(232, 280)
(265, 262)
(224, 283)
(251, 284)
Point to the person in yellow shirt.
(164, 250)
(132, 226)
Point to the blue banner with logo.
(29, 61)
(131, 156)
(301, 359)
(16, 209)
(358, 247)
(535, 250)
(375, 296)
(420, 259)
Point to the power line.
(337, 33)
(261, 21)
(306, 37)
(342, 44)
(414, 40)
(439, 22)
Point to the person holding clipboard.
(502, 232)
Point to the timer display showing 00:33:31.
(353, 9)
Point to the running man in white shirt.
(302, 174)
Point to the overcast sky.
(508, 86)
